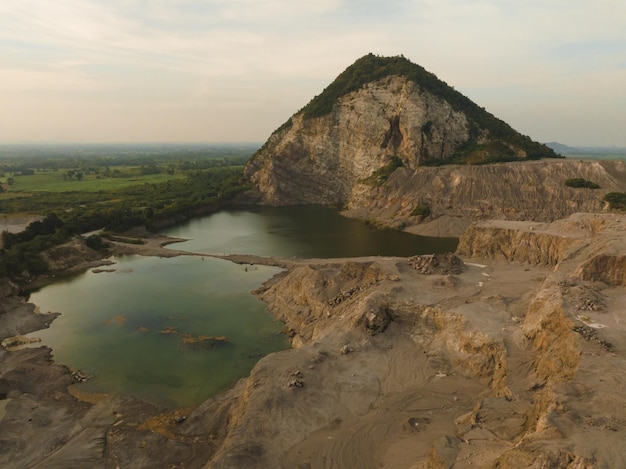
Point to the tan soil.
(14, 223)
(517, 361)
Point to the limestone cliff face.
(377, 150)
(533, 190)
(321, 160)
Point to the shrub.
(380, 176)
(421, 211)
(581, 183)
(95, 242)
(616, 200)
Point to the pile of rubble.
(442, 264)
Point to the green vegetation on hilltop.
(371, 68)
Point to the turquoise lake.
(175, 331)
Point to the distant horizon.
(59, 143)
(243, 142)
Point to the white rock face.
(320, 160)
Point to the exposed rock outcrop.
(515, 359)
(442, 264)
(610, 269)
(367, 148)
(379, 114)
(507, 339)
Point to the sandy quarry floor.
(396, 363)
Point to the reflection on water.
(302, 231)
(176, 331)
(173, 331)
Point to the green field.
(73, 190)
(30, 169)
(53, 181)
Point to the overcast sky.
(234, 70)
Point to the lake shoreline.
(55, 386)
(33, 379)
(489, 360)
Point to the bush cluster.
(73, 213)
(616, 200)
(380, 176)
(421, 211)
(579, 183)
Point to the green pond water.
(144, 329)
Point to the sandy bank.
(503, 360)
(502, 365)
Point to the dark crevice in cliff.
(394, 134)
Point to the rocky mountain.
(379, 114)
(390, 142)
(592, 152)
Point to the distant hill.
(592, 152)
(560, 148)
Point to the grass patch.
(53, 181)
(421, 211)
(616, 200)
(380, 176)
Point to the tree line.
(72, 213)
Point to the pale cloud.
(269, 10)
(21, 80)
(243, 66)
(74, 24)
